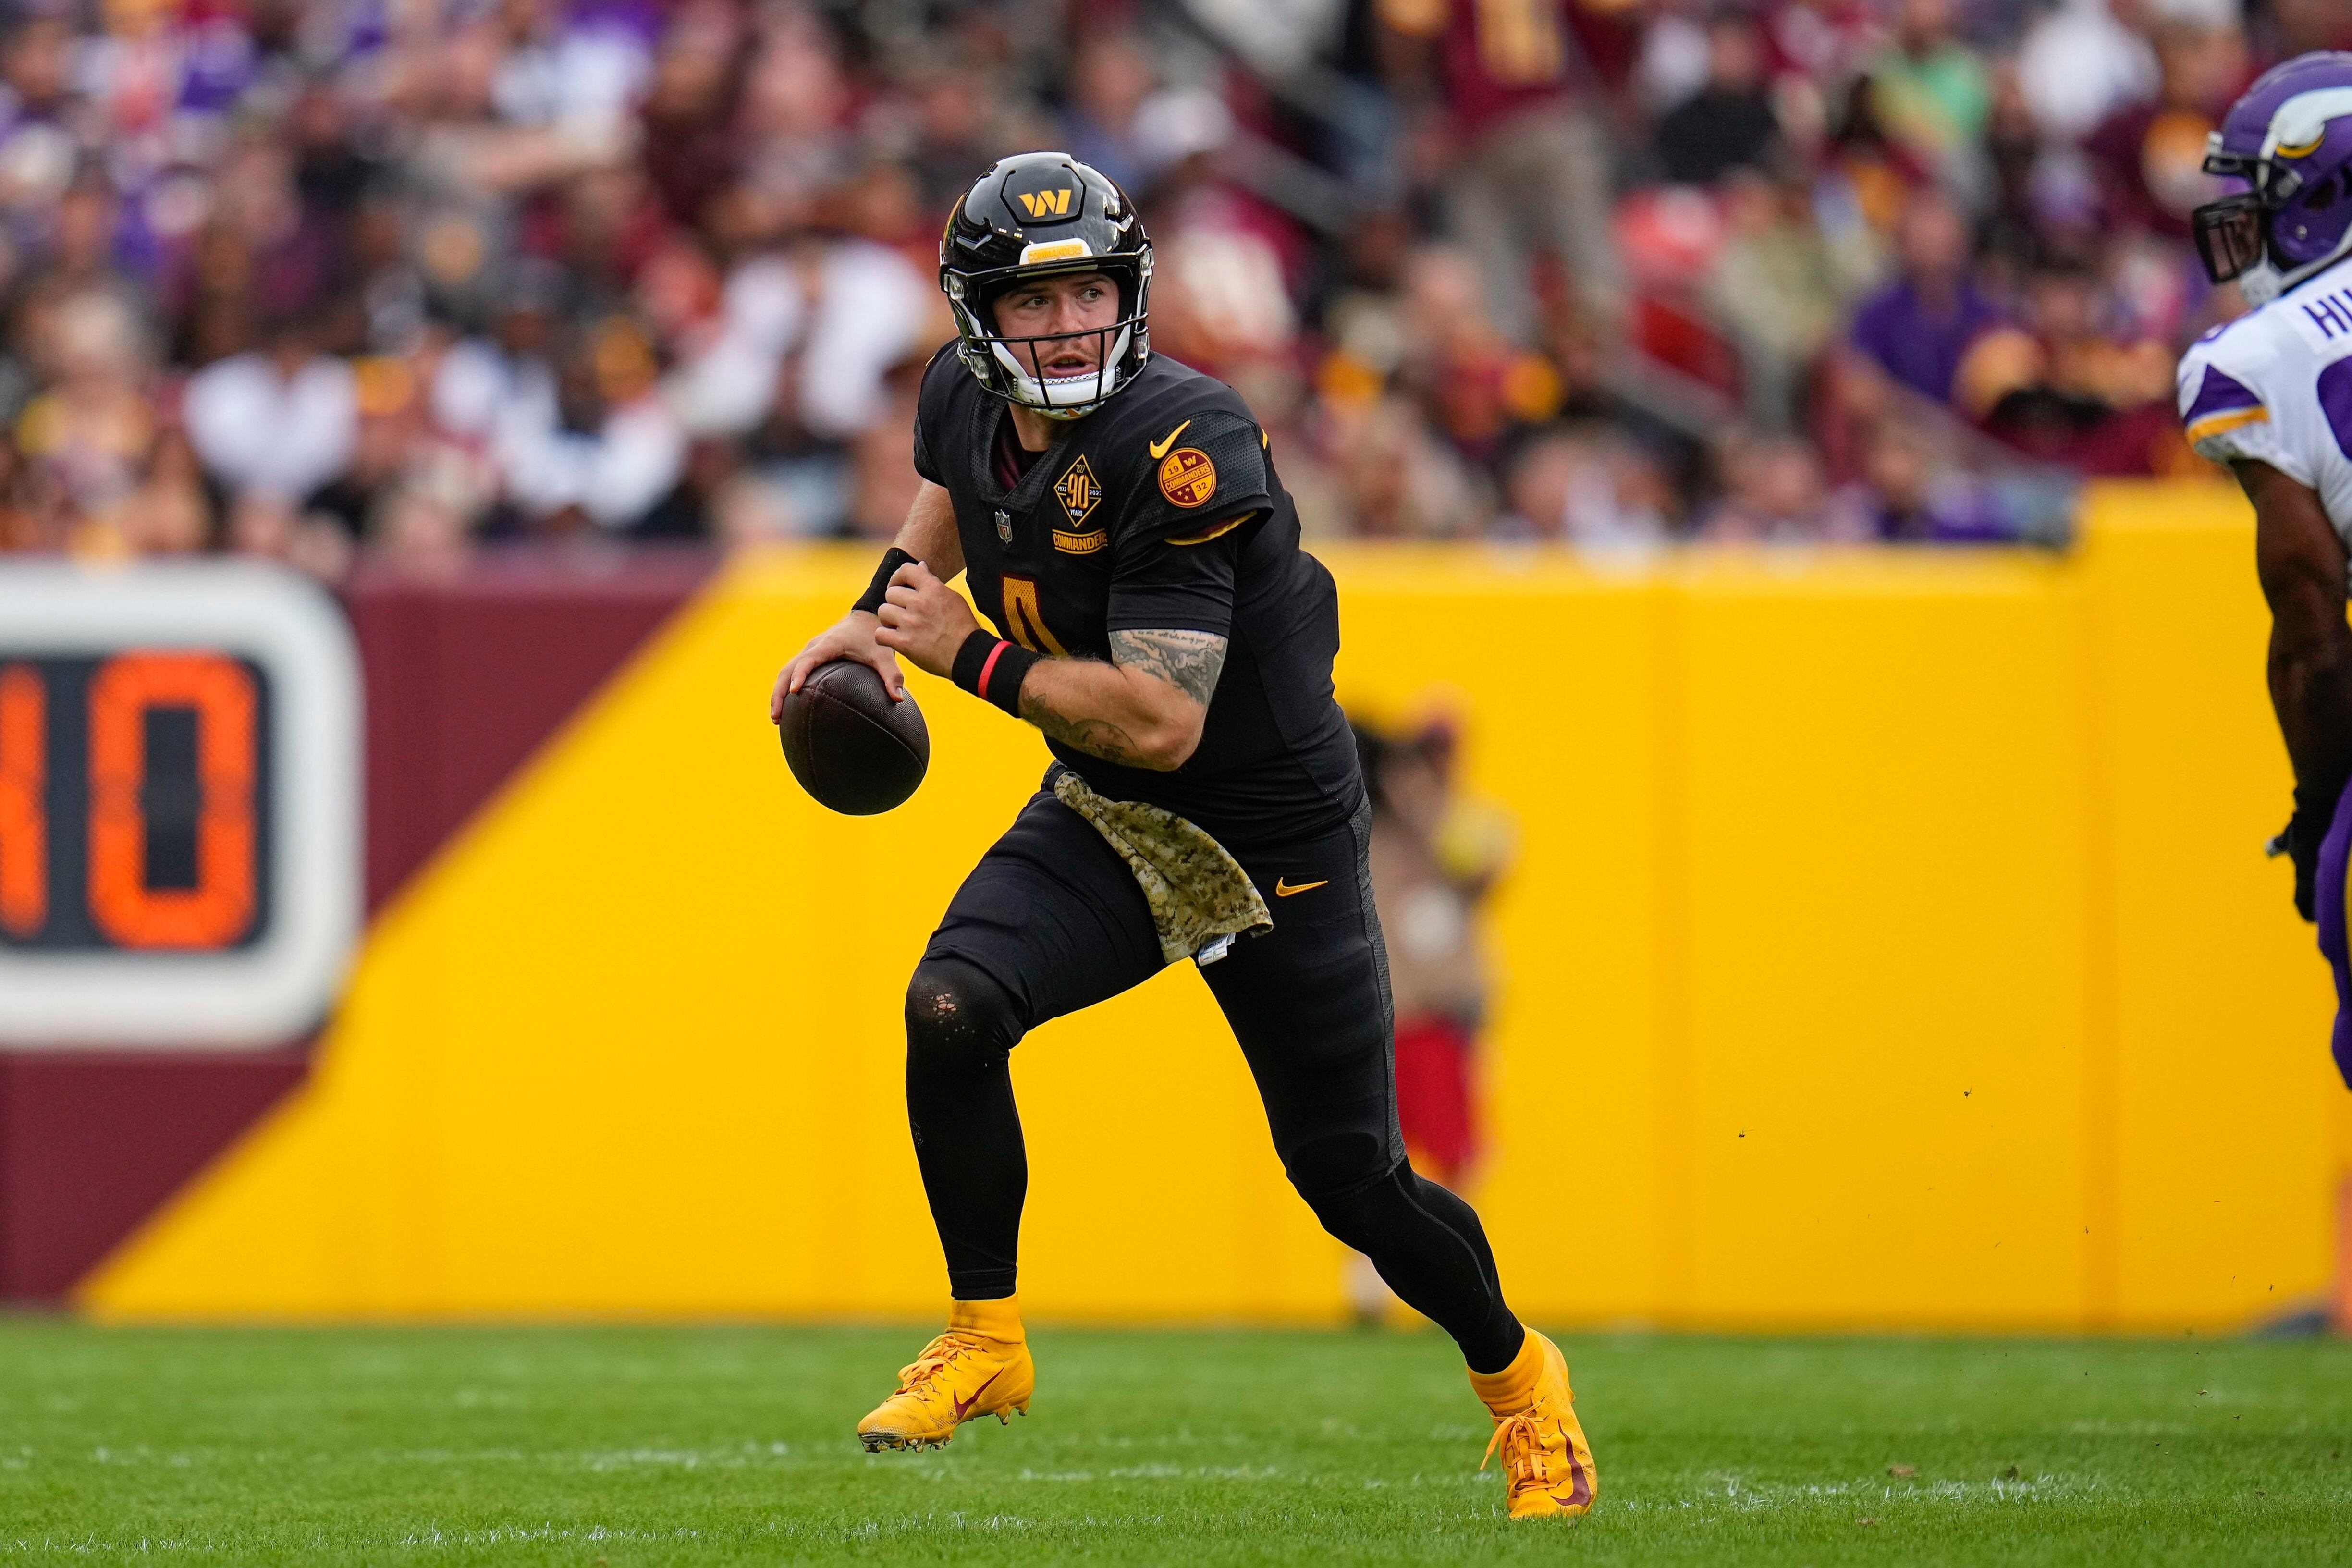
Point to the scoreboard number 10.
(165, 850)
(178, 804)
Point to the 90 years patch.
(1187, 477)
(1078, 492)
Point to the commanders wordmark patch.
(1187, 477)
(1077, 492)
(1082, 544)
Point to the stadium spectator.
(2079, 63)
(1729, 122)
(2076, 382)
(1919, 326)
(609, 450)
(1774, 493)
(1781, 284)
(1590, 487)
(1911, 495)
(1932, 90)
(1479, 268)
(1506, 92)
(2149, 153)
(280, 420)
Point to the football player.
(2270, 395)
(1120, 524)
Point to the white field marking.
(1740, 1496)
(510, 1534)
(1205, 1472)
(740, 1458)
(430, 1538)
(2129, 1429)
(433, 1538)
(1161, 1473)
(90, 1544)
(923, 1524)
(493, 1399)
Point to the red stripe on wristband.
(988, 667)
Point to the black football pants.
(1052, 922)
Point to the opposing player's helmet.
(1033, 214)
(2289, 137)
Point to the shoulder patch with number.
(1187, 477)
(1078, 492)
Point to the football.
(849, 745)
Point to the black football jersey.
(1161, 512)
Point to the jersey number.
(1024, 621)
(2336, 402)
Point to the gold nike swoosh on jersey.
(1160, 449)
(1283, 889)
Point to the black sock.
(1429, 1247)
(960, 1029)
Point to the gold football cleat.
(980, 1366)
(1545, 1457)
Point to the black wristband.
(870, 601)
(992, 669)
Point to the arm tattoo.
(1096, 737)
(1189, 661)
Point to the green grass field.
(693, 1445)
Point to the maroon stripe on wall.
(90, 1142)
(464, 677)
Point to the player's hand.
(852, 637)
(925, 619)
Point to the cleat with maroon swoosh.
(1545, 1457)
(963, 1374)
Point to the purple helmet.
(2289, 137)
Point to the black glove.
(2300, 840)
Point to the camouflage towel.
(1200, 898)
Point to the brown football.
(849, 745)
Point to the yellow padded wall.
(1889, 945)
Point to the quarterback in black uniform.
(1120, 524)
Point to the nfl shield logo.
(1004, 527)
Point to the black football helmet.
(1035, 213)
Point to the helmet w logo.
(1042, 203)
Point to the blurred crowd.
(310, 277)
